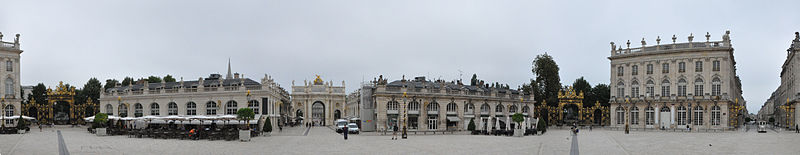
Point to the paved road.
(574, 149)
(62, 147)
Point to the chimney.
(235, 75)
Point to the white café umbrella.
(17, 117)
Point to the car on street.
(762, 127)
(352, 128)
(340, 123)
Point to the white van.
(762, 127)
(340, 124)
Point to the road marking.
(62, 148)
(574, 149)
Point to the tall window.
(154, 110)
(635, 89)
(698, 66)
(433, 106)
(620, 71)
(635, 70)
(9, 66)
(123, 110)
(469, 109)
(9, 111)
(137, 110)
(191, 108)
(211, 108)
(109, 109)
(413, 106)
(9, 88)
(715, 87)
(681, 67)
(681, 87)
(649, 115)
(635, 116)
(665, 88)
(715, 115)
(498, 110)
(650, 90)
(620, 89)
(715, 65)
(665, 68)
(681, 115)
(485, 108)
(698, 87)
(231, 107)
(512, 109)
(525, 109)
(649, 69)
(451, 107)
(698, 115)
(392, 105)
(620, 115)
(253, 104)
(172, 108)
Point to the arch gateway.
(570, 110)
(60, 107)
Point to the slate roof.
(190, 84)
(447, 85)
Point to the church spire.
(229, 76)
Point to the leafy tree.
(471, 125)
(127, 81)
(110, 83)
(153, 79)
(518, 117)
(100, 119)
(771, 120)
(747, 119)
(541, 126)
(602, 93)
(268, 125)
(546, 71)
(39, 94)
(22, 123)
(581, 85)
(245, 114)
(169, 78)
(92, 89)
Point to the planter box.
(20, 131)
(519, 133)
(244, 135)
(100, 131)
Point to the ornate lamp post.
(405, 114)
(119, 105)
(3, 105)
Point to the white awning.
(453, 119)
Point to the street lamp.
(405, 114)
(3, 105)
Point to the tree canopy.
(547, 79)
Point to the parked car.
(340, 123)
(353, 128)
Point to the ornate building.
(318, 101)
(782, 104)
(571, 110)
(439, 105)
(675, 85)
(9, 75)
(206, 96)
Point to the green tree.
(268, 125)
(541, 126)
(153, 79)
(92, 89)
(518, 117)
(169, 78)
(581, 85)
(39, 94)
(127, 81)
(245, 114)
(110, 83)
(471, 125)
(602, 93)
(546, 71)
(100, 120)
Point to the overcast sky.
(354, 41)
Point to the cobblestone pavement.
(322, 140)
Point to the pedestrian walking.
(40, 127)
(796, 129)
(280, 128)
(344, 132)
(394, 132)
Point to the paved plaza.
(321, 140)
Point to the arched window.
(123, 110)
(698, 115)
(681, 87)
(715, 115)
(9, 88)
(620, 115)
(485, 108)
(172, 108)
(665, 109)
(109, 109)
(635, 115)
(231, 107)
(469, 109)
(525, 109)
(698, 87)
(9, 111)
(650, 90)
(253, 104)
(154, 109)
(498, 110)
(433, 106)
(716, 86)
(414, 106)
(137, 110)
(211, 108)
(650, 115)
(512, 109)
(620, 89)
(665, 87)
(681, 115)
(191, 108)
(392, 105)
(451, 107)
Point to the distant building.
(9, 77)
(318, 102)
(675, 85)
(782, 104)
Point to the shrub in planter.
(268, 125)
(541, 126)
(245, 114)
(471, 126)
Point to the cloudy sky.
(354, 41)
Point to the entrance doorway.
(61, 113)
(318, 113)
(598, 117)
(337, 114)
(570, 114)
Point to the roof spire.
(229, 76)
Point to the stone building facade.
(214, 95)
(783, 102)
(441, 106)
(9, 79)
(318, 102)
(676, 85)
